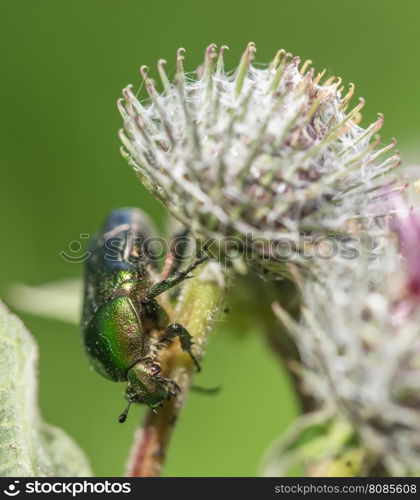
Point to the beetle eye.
(155, 369)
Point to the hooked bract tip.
(210, 49)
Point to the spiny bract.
(359, 343)
(268, 151)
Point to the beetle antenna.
(123, 417)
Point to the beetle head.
(147, 385)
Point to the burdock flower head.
(359, 342)
(270, 150)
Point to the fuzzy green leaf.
(28, 446)
(314, 438)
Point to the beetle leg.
(174, 387)
(177, 253)
(173, 280)
(206, 390)
(173, 331)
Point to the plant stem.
(199, 304)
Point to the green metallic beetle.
(122, 322)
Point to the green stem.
(198, 307)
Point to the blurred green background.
(63, 66)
